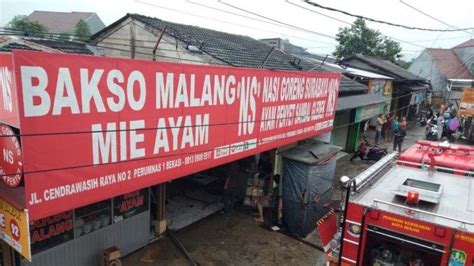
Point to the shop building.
(93, 161)
(408, 90)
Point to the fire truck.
(412, 209)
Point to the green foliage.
(82, 31)
(359, 39)
(21, 22)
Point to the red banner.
(95, 127)
(8, 98)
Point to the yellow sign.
(14, 228)
(466, 105)
(387, 89)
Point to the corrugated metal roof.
(354, 101)
(366, 74)
(380, 66)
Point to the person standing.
(394, 128)
(439, 123)
(403, 124)
(388, 127)
(231, 187)
(398, 139)
(378, 129)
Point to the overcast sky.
(458, 13)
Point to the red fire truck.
(417, 210)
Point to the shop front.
(352, 113)
(98, 138)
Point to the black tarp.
(307, 185)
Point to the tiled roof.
(235, 50)
(449, 64)
(18, 46)
(469, 43)
(8, 43)
(238, 50)
(380, 66)
(59, 22)
(64, 46)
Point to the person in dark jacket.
(398, 139)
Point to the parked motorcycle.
(367, 152)
(432, 132)
(423, 120)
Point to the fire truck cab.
(417, 210)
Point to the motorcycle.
(367, 152)
(423, 120)
(431, 132)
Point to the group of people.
(446, 120)
(389, 128)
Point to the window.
(130, 204)
(92, 217)
(51, 231)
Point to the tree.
(359, 39)
(21, 23)
(82, 31)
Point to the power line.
(381, 21)
(434, 18)
(277, 21)
(223, 21)
(249, 17)
(349, 23)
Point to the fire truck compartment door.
(385, 247)
(406, 239)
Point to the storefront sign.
(8, 95)
(130, 204)
(100, 127)
(370, 111)
(387, 89)
(51, 231)
(14, 229)
(466, 104)
(11, 162)
(377, 86)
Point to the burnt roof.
(380, 66)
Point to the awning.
(311, 153)
(351, 102)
